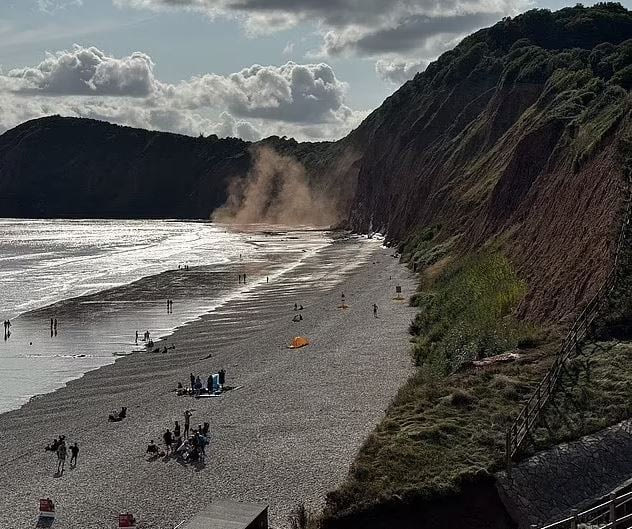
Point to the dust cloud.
(276, 191)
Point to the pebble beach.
(286, 436)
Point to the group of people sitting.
(189, 449)
(213, 385)
(117, 416)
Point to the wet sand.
(287, 436)
(94, 329)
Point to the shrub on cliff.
(468, 313)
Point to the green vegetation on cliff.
(512, 149)
(448, 423)
(466, 314)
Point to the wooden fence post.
(613, 508)
(508, 451)
(574, 520)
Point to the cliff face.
(517, 138)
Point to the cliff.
(518, 139)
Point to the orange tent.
(298, 342)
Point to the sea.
(43, 262)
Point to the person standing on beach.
(176, 430)
(55, 326)
(168, 441)
(136, 338)
(61, 457)
(74, 452)
(192, 381)
(187, 422)
(374, 310)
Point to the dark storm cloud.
(369, 27)
(411, 33)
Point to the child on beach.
(74, 452)
(152, 449)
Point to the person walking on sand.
(187, 422)
(374, 310)
(61, 457)
(74, 452)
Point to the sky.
(309, 69)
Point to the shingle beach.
(288, 435)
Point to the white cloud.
(89, 71)
(300, 93)
(50, 6)
(398, 72)
(289, 48)
(229, 127)
(301, 100)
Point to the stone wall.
(545, 487)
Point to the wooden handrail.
(530, 412)
(606, 510)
